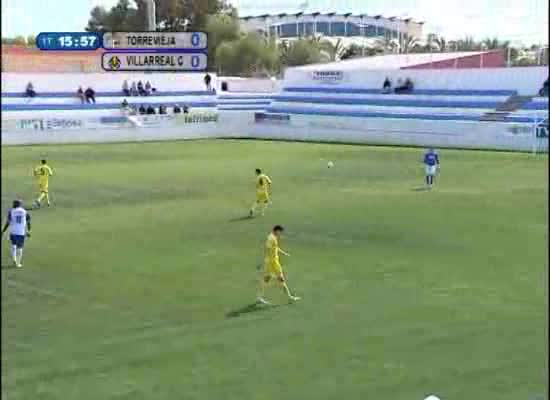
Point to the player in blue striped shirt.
(431, 165)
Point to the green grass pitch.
(137, 284)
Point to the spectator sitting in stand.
(90, 95)
(544, 90)
(141, 90)
(133, 110)
(185, 109)
(142, 110)
(80, 94)
(177, 109)
(133, 89)
(148, 88)
(124, 104)
(405, 88)
(125, 88)
(29, 91)
(207, 82)
(409, 86)
(151, 109)
(162, 109)
(386, 87)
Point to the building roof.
(328, 14)
(391, 61)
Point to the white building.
(333, 25)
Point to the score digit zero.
(155, 40)
(138, 61)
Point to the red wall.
(490, 59)
(19, 59)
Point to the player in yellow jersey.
(272, 266)
(42, 175)
(263, 190)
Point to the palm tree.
(386, 44)
(441, 44)
(494, 43)
(410, 44)
(333, 51)
(467, 44)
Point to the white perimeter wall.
(65, 82)
(249, 85)
(442, 134)
(230, 124)
(526, 80)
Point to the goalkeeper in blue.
(431, 166)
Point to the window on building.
(322, 28)
(353, 29)
(338, 29)
(308, 27)
(370, 31)
(288, 30)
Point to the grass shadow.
(421, 189)
(8, 266)
(243, 218)
(250, 308)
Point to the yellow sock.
(41, 197)
(47, 197)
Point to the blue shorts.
(17, 240)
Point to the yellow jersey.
(262, 183)
(272, 248)
(43, 173)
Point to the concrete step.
(494, 116)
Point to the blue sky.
(517, 20)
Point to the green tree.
(352, 51)
(171, 15)
(250, 55)
(332, 51)
(220, 28)
(410, 44)
(31, 40)
(122, 17)
(299, 52)
(467, 44)
(494, 43)
(20, 40)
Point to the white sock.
(19, 256)
(13, 252)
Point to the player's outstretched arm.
(284, 252)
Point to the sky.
(521, 21)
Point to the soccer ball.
(330, 164)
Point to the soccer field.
(140, 282)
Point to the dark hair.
(258, 171)
(16, 203)
(278, 228)
(43, 161)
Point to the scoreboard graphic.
(135, 51)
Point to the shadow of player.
(243, 218)
(250, 308)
